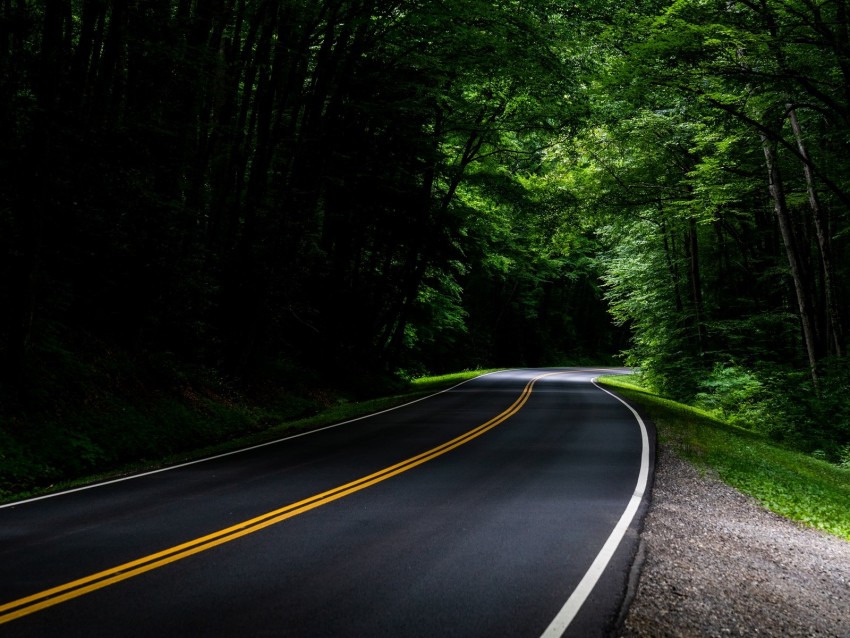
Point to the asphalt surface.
(488, 536)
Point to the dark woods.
(235, 181)
(179, 178)
(251, 186)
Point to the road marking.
(562, 620)
(50, 597)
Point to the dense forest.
(248, 191)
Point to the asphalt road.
(488, 510)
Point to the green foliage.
(734, 393)
(642, 295)
(787, 482)
(844, 457)
(810, 420)
(221, 182)
(420, 186)
(675, 167)
(779, 402)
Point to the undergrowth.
(786, 481)
(111, 414)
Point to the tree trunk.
(792, 252)
(668, 240)
(695, 281)
(824, 244)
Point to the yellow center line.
(55, 595)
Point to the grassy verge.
(789, 483)
(419, 388)
(215, 426)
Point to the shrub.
(807, 419)
(844, 456)
(735, 394)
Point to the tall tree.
(740, 75)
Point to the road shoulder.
(717, 563)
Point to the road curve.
(506, 506)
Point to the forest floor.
(716, 563)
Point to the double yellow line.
(54, 596)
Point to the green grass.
(37, 471)
(435, 384)
(420, 388)
(790, 483)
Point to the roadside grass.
(792, 484)
(215, 427)
(419, 389)
(441, 382)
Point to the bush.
(817, 422)
(783, 403)
(844, 456)
(735, 394)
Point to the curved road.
(506, 506)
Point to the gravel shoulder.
(716, 563)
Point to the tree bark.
(824, 244)
(695, 281)
(792, 252)
(668, 239)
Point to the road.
(506, 506)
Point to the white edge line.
(562, 621)
(239, 451)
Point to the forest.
(208, 200)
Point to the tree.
(737, 75)
(221, 179)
